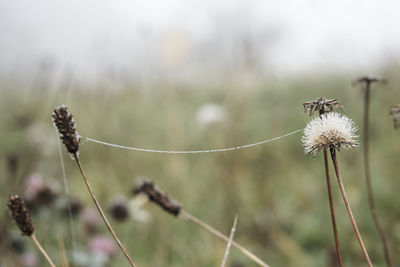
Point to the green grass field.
(278, 192)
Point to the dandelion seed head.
(330, 130)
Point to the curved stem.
(348, 208)
(335, 232)
(103, 216)
(42, 250)
(212, 230)
(371, 200)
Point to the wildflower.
(102, 245)
(322, 105)
(64, 122)
(330, 130)
(395, 113)
(209, 114)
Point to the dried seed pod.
(64, 122)
(322, 105)
(20, 215)
(395, 113)
(160, 198)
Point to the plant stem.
(371, 200)
(33, 237)
(228, 246)
(335, 232)
(348, 208)
(103, 216)
(215, 232)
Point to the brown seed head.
(160, 198)
(119, 210)
(64, 122)
(20, 215)
(395, 113)
(322, 105)
(367, 80)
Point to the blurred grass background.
(278, 192)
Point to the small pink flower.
(90, 219)
(28, 260)
(102, 245)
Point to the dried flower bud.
(160, 198)
(330, 130)
(64, 122)
(395, 113)
(20, 215)
(321, 105)
(367, 80)
(119, 210)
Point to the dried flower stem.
(215, 232)
(348, 208)
(371, 199)
(228, 246)
(332, 209)
(33, 237)
(101, 211)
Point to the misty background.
(195, 40)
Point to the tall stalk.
(332, 209)
(103, 216)
(347, 204)
(371, 200)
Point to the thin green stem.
(103, 216)
(348, 208)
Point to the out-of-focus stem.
(371, 200)
(215, 232)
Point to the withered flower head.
(160, 198)
(368, 80)
(329, 130)
(64, 122)
(20, 215)
(395, 113)
(321, 105)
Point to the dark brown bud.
(395, 113)
(119, 210)
(20, 215)
(64, 121)
(160, 198)
(322, 105)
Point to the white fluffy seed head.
(329, 130)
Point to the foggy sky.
(197, 37)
